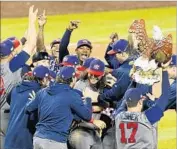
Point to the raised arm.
(110, 59)
(20, 60)
(63, 48)
(42, 19)
(154, 113)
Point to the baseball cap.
(38, 56)
(52, 74)
(70, 60)
(7, 46)
(118, 47)
(66, 72)
(133, 95)
(41, 72)
(86, 64)
(173, 62)
(84, 42)
(56, 41)
(96, 67)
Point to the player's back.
(134, 131)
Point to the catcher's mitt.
(162, 50)
(146, 47)
(138, 36)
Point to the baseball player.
(82, 69)
(136, 129)
(91, 85)
(11, 66)
(122, 52)
(18, 135)
(84, 46)
(54, 45)
(56, 105)
(41, 57)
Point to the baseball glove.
(162, 50)
(138, 37)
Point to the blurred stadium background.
(98, 21)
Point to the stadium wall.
(20, 9)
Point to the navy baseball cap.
(173, 62)
(84, 42)
(118, 47)
(70, 60)
(133, 95)
(41, 72)
(66, 72)
(52, 74)
(96, 67)
(7, 46)
(57, 41)
(86, 64)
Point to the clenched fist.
(73, 25)
(114, 37)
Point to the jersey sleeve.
(172, 97)
(155, 113)
(118, 89)
(18, 61)
(33, 104)
(63, 48)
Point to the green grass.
(97, 28)
(167, 131)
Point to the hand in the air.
(73, 25)
(42, 19)
(32, 95)
(32, 15)
(114, 37)
(31, 35)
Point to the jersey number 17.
(129, 125)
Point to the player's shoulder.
(143, 118)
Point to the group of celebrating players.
(65, 101)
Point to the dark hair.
(32, 78)
(40, 56)
(60, 80)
